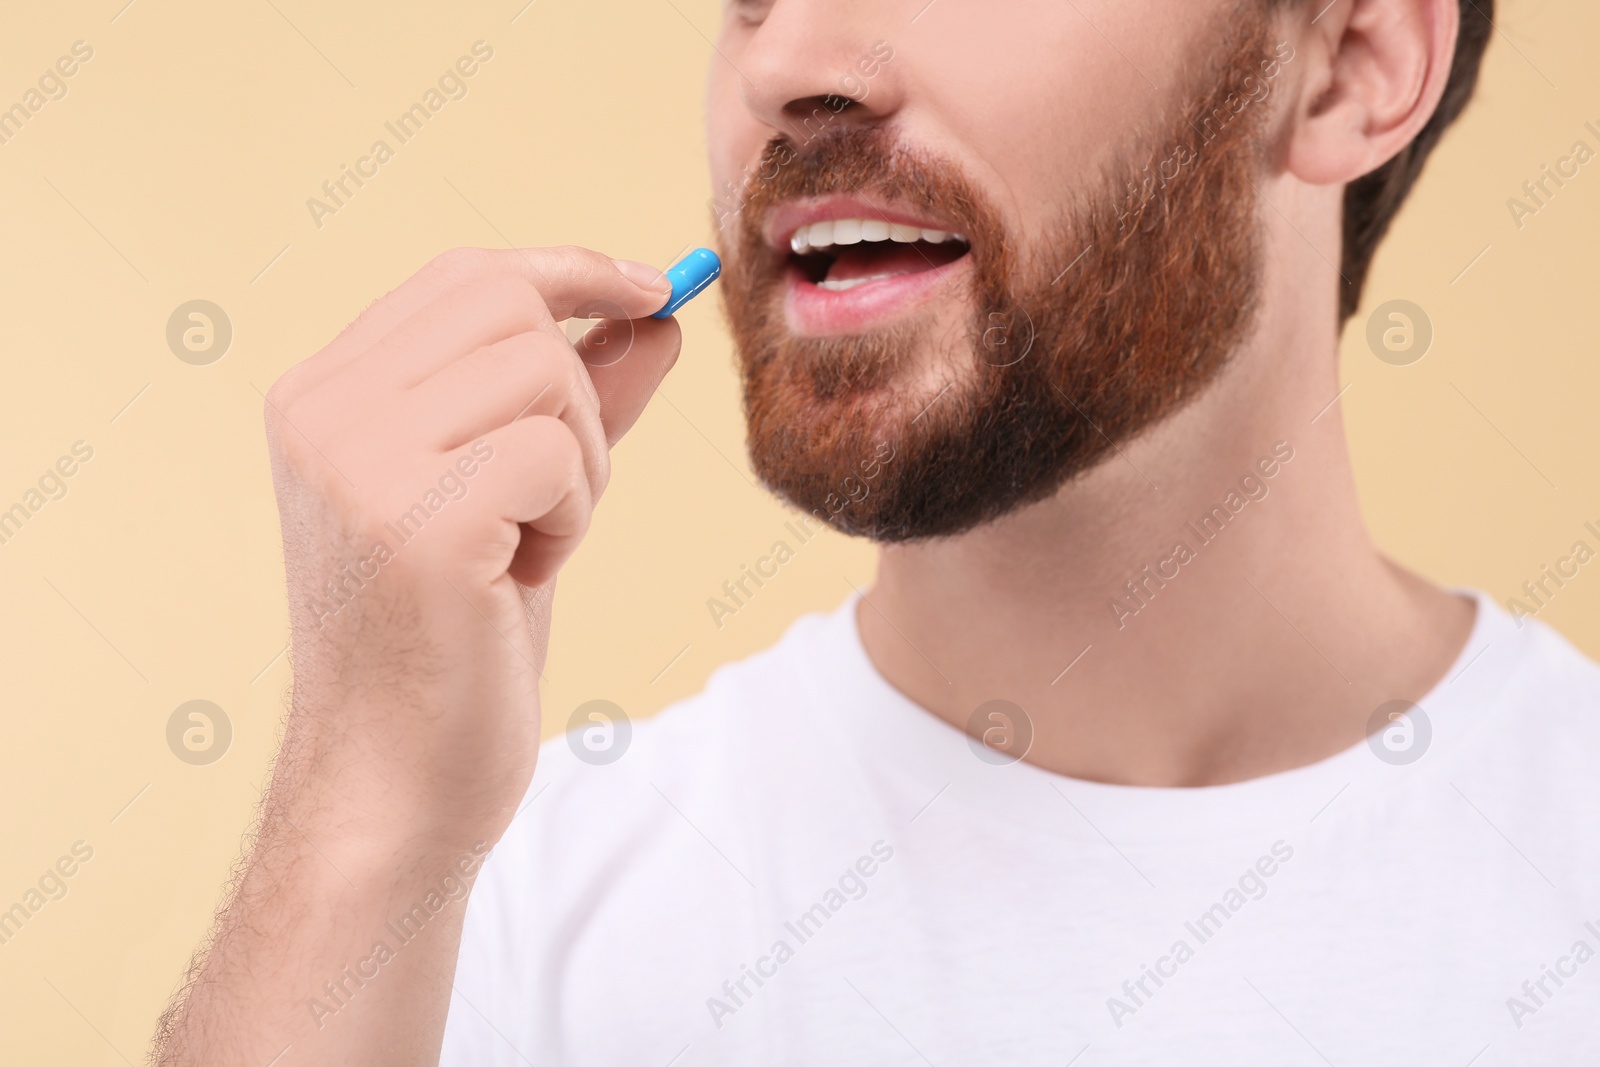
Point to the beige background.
(178, 166)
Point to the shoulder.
(1529, 743)
(1553, 673)
(651, 856)
(705, 767)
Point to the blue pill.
(688, 276)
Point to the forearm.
(338, 946)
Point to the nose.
(815, 62)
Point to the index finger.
(564, 277)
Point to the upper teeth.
(833, 232)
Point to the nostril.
(805, 106)
(809, 116)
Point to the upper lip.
(789, 217)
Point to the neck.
(1204, 607)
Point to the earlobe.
(1375, 72)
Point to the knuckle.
(281, 394)
(575, 376)
(463, 263)
(561, 456)
(511, 289)
(575, 259)
(580, 497)
(584, 518)
(562, 448)
(274, 399)
(522, 357)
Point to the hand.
(448, 447)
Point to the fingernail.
(643, 275)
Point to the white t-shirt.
(801, 866)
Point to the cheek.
(734, 139)
(1072, 100)
(1065, 99)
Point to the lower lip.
(813, 311)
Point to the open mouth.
(837, 255)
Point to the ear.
(1375, 72)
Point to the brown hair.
(1372, 201)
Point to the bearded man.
(1137, 750)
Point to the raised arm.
(434, 466)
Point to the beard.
(1103, 325)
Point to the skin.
(1275, 648)
(414, 724)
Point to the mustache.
(871, 162)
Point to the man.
(1137, 751)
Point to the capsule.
(688, 276)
